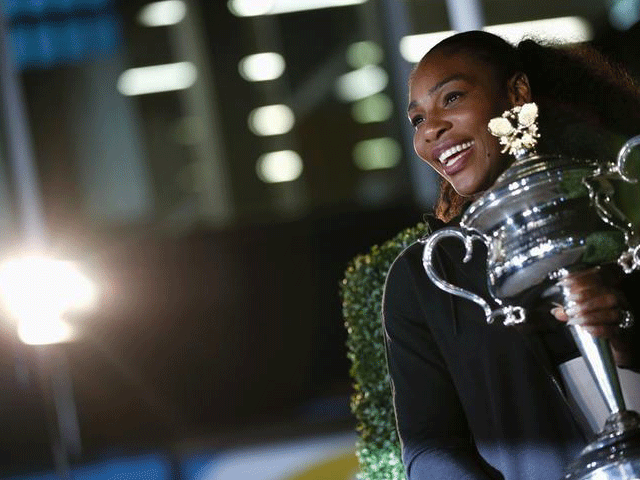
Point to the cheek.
(490, 152)
(420, 147)
(491, 146)
(495, 157)
(416, 144)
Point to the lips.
(448, 156)
(452, 156)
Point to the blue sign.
(39, 8)
(48, 33)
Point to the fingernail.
(557, 311)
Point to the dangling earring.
(517, 130)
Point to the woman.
(482, 401)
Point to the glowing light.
(271, 120)
(361, 83)
(44, 331)
(157, 78)
(251, 8)
(559, 30)
(163, 13)
(37, 291)
(623, 14)
(278, 167)
(413, 47)
(377, 153)
(260, 67)
(360, 54)
(376, 108)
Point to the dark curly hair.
(588, 105)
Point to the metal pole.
(396, 26)
(35, 236)
(59, 449)
(19, 147)
(465, 15)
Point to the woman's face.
(451, 100)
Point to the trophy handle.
(601, 193)
(620, 167)
(629, 260)
(511, 315)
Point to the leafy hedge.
(361, 291)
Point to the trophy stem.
(614, 454)
(596, 351)
(597, 354)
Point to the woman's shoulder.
(449, 247)
(412, 249)
(408, 263)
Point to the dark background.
(209, 330)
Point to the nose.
(435, 128)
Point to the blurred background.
(212, 167)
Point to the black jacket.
(473, 400)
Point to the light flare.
(37, 291)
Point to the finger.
(586, 291)
(580, 282)
(598, 317)
(607, 300)
(560, 314)
(604, 331)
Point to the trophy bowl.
(546, 221)
(544, 218)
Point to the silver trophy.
(547, 221)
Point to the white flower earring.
(517, 130)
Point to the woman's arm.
(436, 441)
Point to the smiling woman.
(474, 400)
(452, 101)
(588, 105)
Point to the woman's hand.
(600, 308)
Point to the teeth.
(449, 152)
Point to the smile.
(449, 156)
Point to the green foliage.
(603, 247)
(361, 291)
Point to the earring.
(517, 130)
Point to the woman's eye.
(452, 97)
(417, 120)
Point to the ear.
(518, 89)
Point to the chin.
(472, 187)
(466, 191)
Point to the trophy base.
(614, 454)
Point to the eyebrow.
(438, 86)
